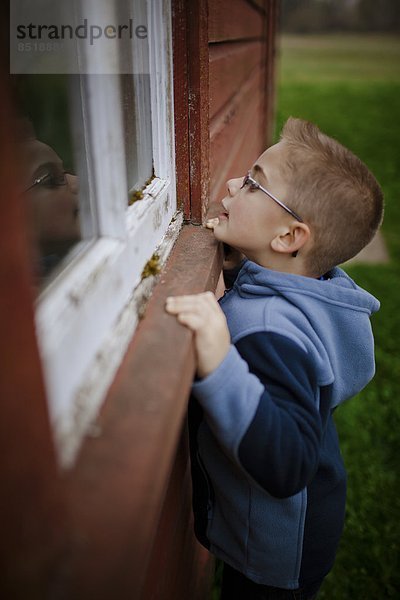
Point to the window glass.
(138, 132)
(136, 99)
(105, 119)
(48, 172)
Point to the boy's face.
(251, 218)
(53, 208)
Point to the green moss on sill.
(152, 267)
(136, 195)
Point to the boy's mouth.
(224, 213)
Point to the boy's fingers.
(186, 307)
(178, 303)
(191, 296)
(211, 223)
(205, 306)
(196, 300)
(191, 320)
(211, 302)
(175, 300)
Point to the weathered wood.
(271, 26)
(181, 103)
(118, 485)
(234, 20)
(238, 162)
(241, 89)
(32, 515)
(119, 523)
(230, 67)
(198, 108)
(176, 553)
(242, 118)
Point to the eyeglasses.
(248, 180)
(50, 180)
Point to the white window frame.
(87, 316)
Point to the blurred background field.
(341, 57)
(349, 85)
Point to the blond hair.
(334, 193)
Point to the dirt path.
(375, 253)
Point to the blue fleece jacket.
(268, 477)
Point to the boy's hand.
(203, 315)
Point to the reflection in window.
(136, 98)
(47, 172)
(135, 91)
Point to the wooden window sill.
(118, 483)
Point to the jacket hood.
(329, 318)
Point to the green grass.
(339, 58)
(350, 87)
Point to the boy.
(289, 342)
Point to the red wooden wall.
(241, 87)
(119, 523)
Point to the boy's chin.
(219, 235)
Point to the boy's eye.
(52, 180)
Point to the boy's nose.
(72, 181)
(234, 185)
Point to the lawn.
(350, 87)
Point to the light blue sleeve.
(230, 397)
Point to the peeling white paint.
(87, 316)
(71, 427)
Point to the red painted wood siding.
(33, 521)
(119, 523)
(241, 90)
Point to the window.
(119, 123)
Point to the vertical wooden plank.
(234, 20)
(231, 64)
(117, 487)
(271, 23)
(181, 105)
(32, 516)
(198, 108)
(35, 529)
(175, 568)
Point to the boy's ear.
(291, 239)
